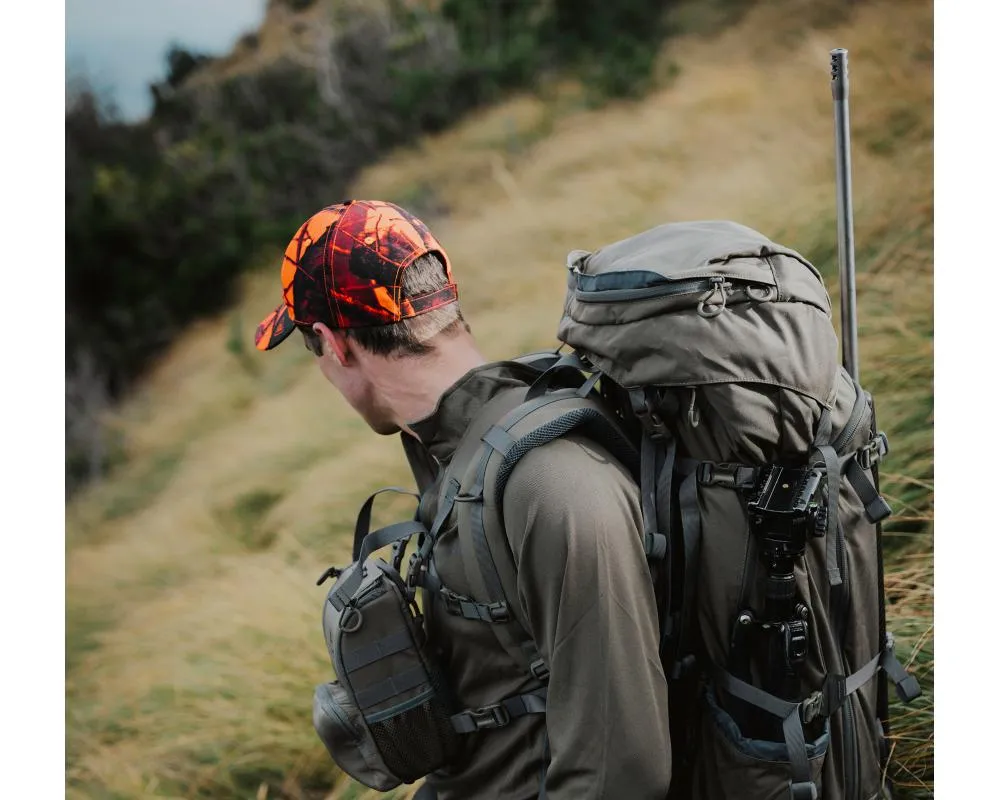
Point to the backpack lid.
(694, 303)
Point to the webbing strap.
(461, 606)
(498, 715)
(487, 567)
(389, 535)
(499, 439)
(789, 713)
(654, 543)
(373, 651)
(835, 536)
(520, 643)
(691, 534)
(513, 637)
(876, 508)
(422, 570)
(341, 595)
(365, 516)
(907, 687)
(480, 569)
(664, 516)
(569, 364)
(390, 687)
(444, 509)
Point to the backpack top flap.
(693, 303)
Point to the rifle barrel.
(845, 212)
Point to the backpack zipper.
(369, 595)
(669, 288)
(857, 414)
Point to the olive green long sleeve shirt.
(572, 517)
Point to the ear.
(334, 344)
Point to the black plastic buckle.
(802, 791)
(498, 611)
(811, 707)
(649, 417)
(416, 569)
(539, 670)
(732, 476)
(489, 717)
(452, 602)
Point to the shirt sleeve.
(573, 519)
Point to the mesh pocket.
(416, 741)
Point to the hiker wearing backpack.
(584, 699)
(683, 508)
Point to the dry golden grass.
(193, 635)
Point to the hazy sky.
(121, 44)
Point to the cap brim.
(275, 328)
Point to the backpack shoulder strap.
(487, 557)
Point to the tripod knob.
(820, 517)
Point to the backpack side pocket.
(342, 730)
(733, 765)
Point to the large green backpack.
(703, 357)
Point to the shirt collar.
(442, 429)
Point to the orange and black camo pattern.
(344, 268)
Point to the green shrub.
(163, 215)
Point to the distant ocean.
(121, 45)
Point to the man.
(370, 290)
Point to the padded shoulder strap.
(488, 561)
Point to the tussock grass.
(193, 621)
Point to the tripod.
(783, 515)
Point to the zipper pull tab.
(719, 287)
(332, 572)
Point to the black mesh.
(416, 741)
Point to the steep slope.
(192, 615)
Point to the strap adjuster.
(498, 611)
(730, 475)
(489, 717)
(874, 451)
(539, 670)
(802, 791)
(646, 411)
(811, 707)
(415, 571)
(461, 606)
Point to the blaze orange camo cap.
(344, 268)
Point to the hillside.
(193, 636)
